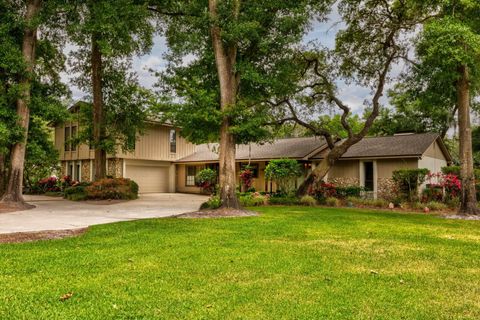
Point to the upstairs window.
(67, 138)
(73, 133)
(173, 141)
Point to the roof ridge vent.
(404, 133)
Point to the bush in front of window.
(409, 180)
(207, 180)
(283, 172)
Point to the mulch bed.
(5, 207)
(218, 213)
(19, 237)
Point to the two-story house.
(163, 161)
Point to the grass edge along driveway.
(288, 263)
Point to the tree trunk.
(100, 162)
(13, 192)
(325, 165)
(469, 200)
(225, 57)
(3, 175)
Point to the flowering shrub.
(323, 191)
(253, 199)
(442, 186)
(50, 184)
(246, 178)
(112, 188)
(206, 179)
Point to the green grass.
(289, 263)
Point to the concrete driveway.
(59, 214)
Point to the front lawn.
(289, 263)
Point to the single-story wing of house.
(163, 161)
(369, 163)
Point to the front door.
(368, 176)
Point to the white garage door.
(149, 178)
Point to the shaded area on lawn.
(289, 262)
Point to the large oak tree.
(226, 59)
(107, 34)
(445, 74)
(377, 35)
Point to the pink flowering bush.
(441, 186)
(50, 184)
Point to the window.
(67, 138)
(213, 166)
(191, 171)
(173, 141)
(253, 168)
(73, 136)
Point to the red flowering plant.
(207, 180)
(441, 186)
(323, 191)
(246, 177)
(49, 184)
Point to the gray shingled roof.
(404, 145)
(295, 148)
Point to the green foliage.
(112, 189)
(334, 124)
(428, 90)
(455, 170)
(368, 203)
(207, 179)
(47, 91)
(308, 201)
(252, 200)
(282, 199)
(418, 267)
(76, 193)
(214, 202)
(121, 29)
(349, 191)
(332, 202)
(42, 157)
(436, 206)
(408, 181)
(284, 173)
(264, 34)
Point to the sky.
(353, 96)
